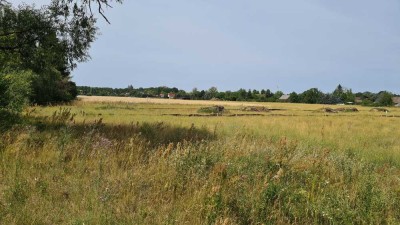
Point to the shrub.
(15, 88)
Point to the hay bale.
(255, 109)
(347, 110)
(327, 110)
(216, 109)
(379, 110)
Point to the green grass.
(119, 163)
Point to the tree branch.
(101, 11)
(90, 8)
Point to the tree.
(367, 98)
(27, 32)
(49, 42)
(348, 96)
(294, 97)
(195, 94)
(255, 92)
(52, 86)
(344, 94)
(277, 95)
(241, 94)
(202, 94)
(15, 88)
(330, 99)
(231, 96)
(212, 92)
(384, 98)
(249, 95)
(268, 93)
(174, 90)
(338, 91)
(221, 95)
(74, 21)
(312, 96)
(14, 92)
(48, 57)
(182, 94)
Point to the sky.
(287, 45)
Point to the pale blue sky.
(290, 45)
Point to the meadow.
(104, 160)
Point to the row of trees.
(340, 96)
(312, 96)
(39, 48)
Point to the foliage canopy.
(47, 42)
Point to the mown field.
(151, 161)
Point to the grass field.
(105, 160)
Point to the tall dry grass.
(68, 166)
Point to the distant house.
(284, 98)
(396, 101)
(171, 95)
(162, 95)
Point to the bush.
(53, 86)
(384, 99)
(15, 88)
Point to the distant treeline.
(340, 95)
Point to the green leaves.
(15, 88)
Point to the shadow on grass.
(8, 120)
(155, 134)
